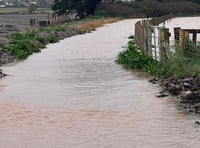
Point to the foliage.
(60, 28)
(182, 66)
(100, 14)
(52, 39)
(81, 7)
(176, 65)
(24, 44)
(132, 58)
(150, 8)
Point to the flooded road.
(73, 95)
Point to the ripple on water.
(73, 94)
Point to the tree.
(81, 7)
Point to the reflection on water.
(74, 95)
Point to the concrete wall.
(23, 21)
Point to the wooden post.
(177, 33)
(184, 37)
(164, 43)
(145, 36)
(148, 39)
(194, 37)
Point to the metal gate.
(154, 41)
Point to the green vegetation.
(180, 66)
(176, 65)
(132, 58)
(81, 7)
(24, 44)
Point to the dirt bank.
(187, 90)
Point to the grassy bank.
(176, 65)
(23, 44)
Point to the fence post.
(164, 43)
(194, 37)
(145, 27)
(177, 33)
(148, 38)
(184, 37)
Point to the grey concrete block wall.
(23, 21)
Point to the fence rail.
(152, 39)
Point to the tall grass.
(181, 66)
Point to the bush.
(52, 39)
(60, 28)
(132, 58)
(24, 44)
(41, 40)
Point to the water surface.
(73, 95)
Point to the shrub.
(132, 58)
(60, 28)
(41, 40)
(16, 36)
(52, 39)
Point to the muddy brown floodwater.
(73, 95)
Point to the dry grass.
(91, 25)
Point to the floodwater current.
(73, 95)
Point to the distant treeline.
(151, 8)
